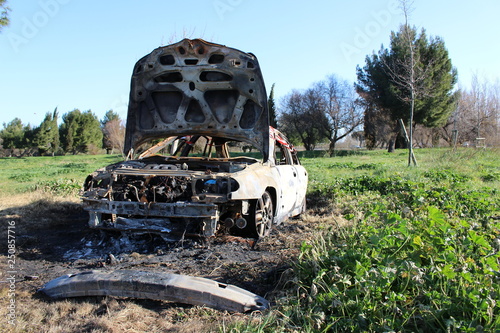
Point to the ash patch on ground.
(53, 239)
(61, 243)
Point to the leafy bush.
(367, 166)
(418, 274)
(340, 165)
(440, 175)
(75, 165)
(408, 194)
(60, 186)
(491, 177)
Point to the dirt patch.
(52, 239)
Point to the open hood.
(197, 87)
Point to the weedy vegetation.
(397, 248)
(420, 254)
(58, 175)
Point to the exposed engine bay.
(158, 186)
(160, 179)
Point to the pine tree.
(13, 134)
(81, 132)
(47, 135)
(385, 85)
(272, 108)
(109, 116)
(68, 130)
(89, 133)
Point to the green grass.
(60, 174)
(420, 254)
(479, 165)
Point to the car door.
(288, 180)
(301, 188)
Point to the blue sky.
(80, 54)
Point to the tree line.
(79, 132)
(413, 80)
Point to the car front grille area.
(151, 188)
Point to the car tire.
(263, 212)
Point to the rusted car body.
(198, 99)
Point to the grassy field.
(60, 174)
(409, 249)
(420, 254)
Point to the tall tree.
(299, 113)
(328, 111)
(109, 116)
(29, 136)
(384, 82)
(113, 131)
(68, 130)
(477, 115)
(272, 108)
(4, 14)
(377, 123)
(12, 134)
(412, 75)
(342, 111)
(90, 133)
(80, 132)
(47, 134)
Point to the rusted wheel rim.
(264, 215)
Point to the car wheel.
(264, 214)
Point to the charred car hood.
(196, 87)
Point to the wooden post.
(454, 138)
(405, 135)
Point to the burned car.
(198, 101)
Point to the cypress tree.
(68, 130)
(272, 108)
(47, 135)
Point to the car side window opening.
(282, 155)
(295, 157)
